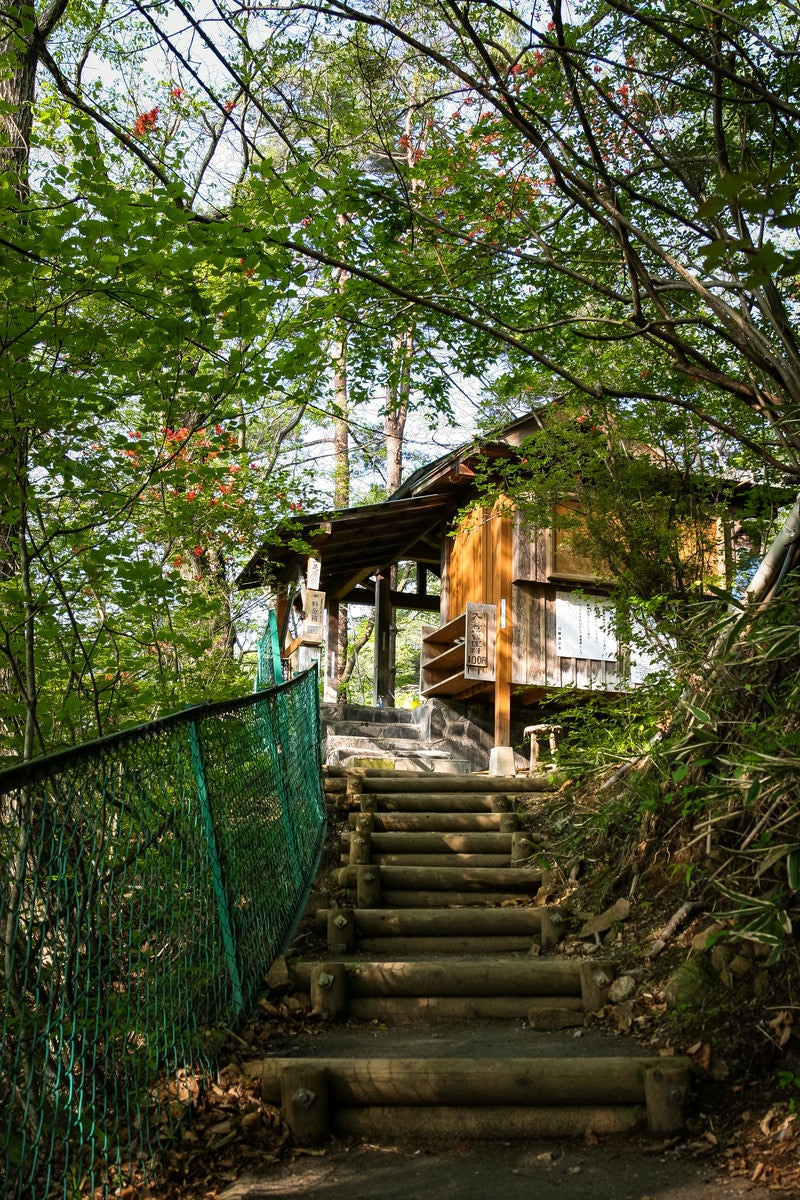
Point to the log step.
(448, 859)
(397, 1085)
(398, 1010)
(525, 880)
(451, 899)
(511, 977)
(502, 1123)
(437, 843)
(437, 802)
(448, 930)
(376, 779)
(436, 822)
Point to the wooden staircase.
(442, 920)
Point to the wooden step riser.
(452, 899)
(450, 922)
(433, 803)
(484, 1082)
(401, 933)
(488, 946)
(441, 822)
(525, 880)
(501, 1124)
(449, 859)
(510, 977)
(405, 1010)
(376, 779)
(434, 843)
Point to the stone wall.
(465, 730)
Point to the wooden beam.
(408, 601)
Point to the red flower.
(177, 93)
(146, 122)
(198, 552)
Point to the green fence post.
(276, 646)
(268, 655)
(220, 894)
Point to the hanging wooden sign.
(313, 569)
(314, 620)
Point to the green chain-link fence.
(268, 661)
(150, 879)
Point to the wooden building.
(518, 611)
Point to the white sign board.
(313, 573)
(315, 616)
(585, 627)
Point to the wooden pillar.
(504, 654)
(383, 685)
(502, 686)
(329, 694)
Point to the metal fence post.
(220, 894)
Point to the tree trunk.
(22, 35)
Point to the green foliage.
(603, 731)
(135, 358)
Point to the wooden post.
(364, 822)
(304, 1102)
(665, 1089)
(329, 693)
(369, 803)
(509, 823)
(368, 887)
(502, 686)
(383, 686)
(360, 848)
(354, 786)
(521, 846)
(596, 978)
(341, 930)
(328, 988)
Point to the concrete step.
(375, 730)
(413, 764)
(331, 714)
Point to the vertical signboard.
(479, 636)
(313, 623)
